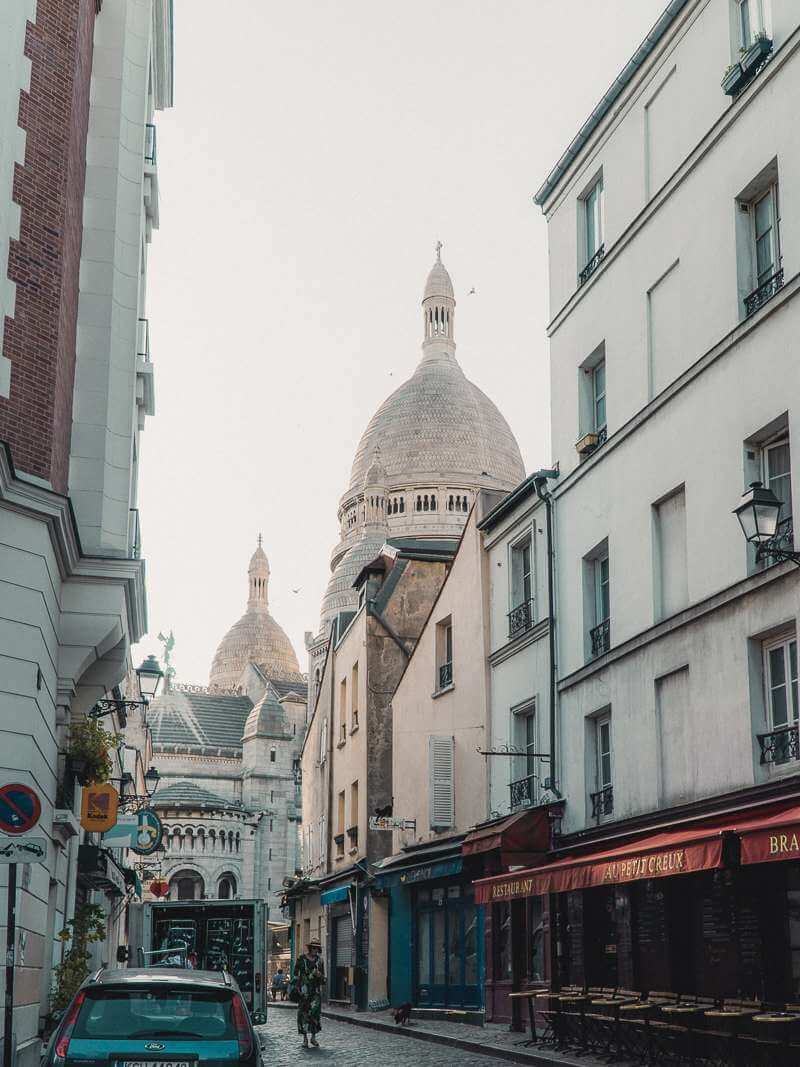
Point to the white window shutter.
(442, 799)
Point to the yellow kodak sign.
(99, 808)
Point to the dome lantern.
(258, 580)
(438, 312)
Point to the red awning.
(521, 838)
(658, 856)
(771, 837)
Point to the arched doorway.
(186, 885)
(227, 887)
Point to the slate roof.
(189, 795)
(284, 688)
(203, 720)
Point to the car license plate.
(154, 1063)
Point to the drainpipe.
(540, 481)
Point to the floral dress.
(309, 975)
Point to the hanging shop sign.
(149, 832)
(123, 833)
(99, 807)
(159, 888)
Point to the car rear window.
(155, 1012)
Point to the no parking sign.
(20, 808)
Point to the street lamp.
(151, 781)
(759, 514)
(149, 675)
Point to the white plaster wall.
(696, 225)
(105, 417)
(519, 670)
(15, 75)
(30, 588)
(460, 713)
(349, 759)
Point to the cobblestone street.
(344, 1044)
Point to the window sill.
(353, 851)
(341, 744)
(354, 729)
(441, 692)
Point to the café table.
(529, 995)
(779, 1026)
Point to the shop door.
(342, 956)
(447, 944)
(600, 932)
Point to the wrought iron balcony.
(592, 265)
(602, 802)
(765, 292)
(600, 638)
(150, 144)
(445, 675)
(780, 745)
(520, 618)
(522, 792)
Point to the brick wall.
(36, 418)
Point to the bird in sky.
(297, 590)
(472, 290)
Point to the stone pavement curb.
(478, 1048)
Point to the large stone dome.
(428, 450)
(439, 423)
(256, 637)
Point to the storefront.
(516, 932)
(435, 931)
(712, 910)
(347, 939)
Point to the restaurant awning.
(520, 838)
(771, 837)
(658, 856)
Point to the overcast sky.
(316, 152)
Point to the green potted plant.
(754, 56)
(89, 751)
(88, 926)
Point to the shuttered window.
(344, 941)
(442, 801)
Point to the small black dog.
(402, 1014)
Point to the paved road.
(345, 1045)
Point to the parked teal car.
(158, 1017)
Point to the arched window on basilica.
(227, 887)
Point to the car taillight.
(242, 1025)
(62, 1045)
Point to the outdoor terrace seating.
(635, 1027)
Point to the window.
(751, 21)
(603, 798)
(597, 601)
(339, 838)
(444, 654)
(593, 219)
(352, 830)
(780, 673)
(272, 755)
(523, 788)
(441, 770)
(777, 474)
(521, 589)
(342, 711)
(323, 741)
(766, 241)
(354, 697)
(599, 396)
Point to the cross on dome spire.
(439, 247)
(259, 540)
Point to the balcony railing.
(445, 675)
(600, 638)
(592, 265)
(602, 802)
(150, 144)
(143, 340)
(780, 745)
(765, 292)
(520, 618)
(522, 792)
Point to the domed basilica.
(428, 449)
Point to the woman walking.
(309, 977)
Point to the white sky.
(316, 151)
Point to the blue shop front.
(435, 931)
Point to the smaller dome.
(438, 284)
(259, 564)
